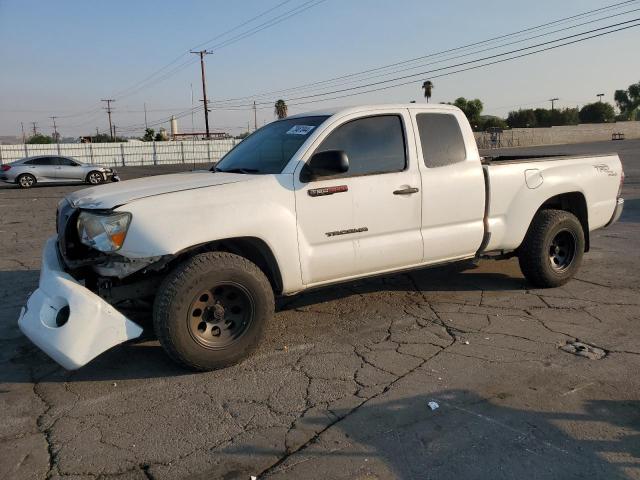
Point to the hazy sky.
(60, 58)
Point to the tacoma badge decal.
(320, 192)
(346, 232)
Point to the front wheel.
(95, 178)
(210, 312)
(553, 248)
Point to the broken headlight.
(103, 232)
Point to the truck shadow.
(631, 212)
(468, 436)
(458, 277)
(144, 358)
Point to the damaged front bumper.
(67, 321)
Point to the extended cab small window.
(373, 145)
(441, 139)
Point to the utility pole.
(108, 109)
(35, 127)
(55, 129)
(114, 132)
(145, 116)
(600, 95)
(193, 127)
(553, 100)
(24, 138)
(202, 53)
(255, 117)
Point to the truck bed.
(519, 185)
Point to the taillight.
(5, 167)
(621, 183)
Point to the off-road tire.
(535, 254)
(174, 301)
(94, 174)
(23, 182)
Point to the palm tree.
(281, 109)
(427, 87)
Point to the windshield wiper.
(238, 170)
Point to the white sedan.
(28, 171)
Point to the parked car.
(28, 171)
(303, 202)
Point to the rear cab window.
(374, 145)
(441, 139)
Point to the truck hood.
(114, 194)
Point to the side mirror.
(325, 164)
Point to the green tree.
(106, 138)
(523, 118)
(281, 110)
(471, 108)
(149, 133)
(39, 138)
(598, 112)
(489, 121)
(428, 87)
(628, 102)
(569, 116)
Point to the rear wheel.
(95, 178)
(210, 312)
(26, 180)
(553, 248)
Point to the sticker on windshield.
(300, 129)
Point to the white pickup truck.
(303, 202)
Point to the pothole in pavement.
(585, 350)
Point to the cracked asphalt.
(340, 386)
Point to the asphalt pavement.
(341, 387)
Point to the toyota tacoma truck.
(307, 201)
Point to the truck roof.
(373, 107)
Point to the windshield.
(270, 148)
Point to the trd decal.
(604, 168)
(320, 192)
(346, 232)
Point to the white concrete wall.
(127, 154)
(588, 132)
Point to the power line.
(266, 12)
(456, 49)
(175, 60)
(220, 103)
(240, 106)
(274, 21)
(477, 66)
(428, 72)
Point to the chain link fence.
(128, 153)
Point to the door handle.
(406, 191)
